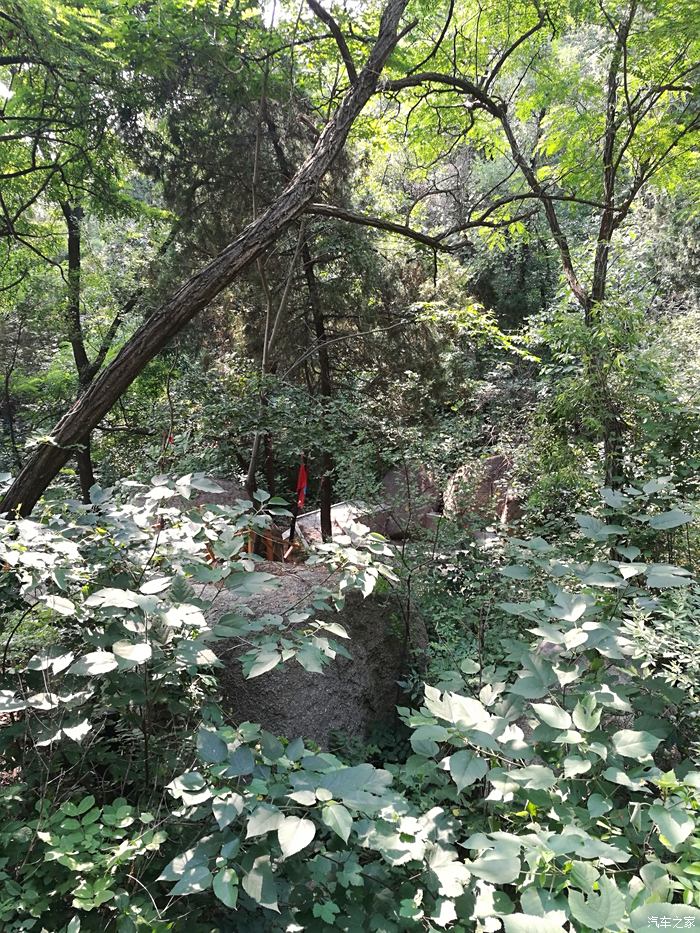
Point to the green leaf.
(54, 657)
(227, 808)
(516, 572)
(198, 481)
(674, 823)
(631, 744)
(327, 912)
(134, 653)
(465, 768)
(94, 663)
(60, 605)
(527, 923)
(210, 746)
(553, 716)
(263, 819)
(264, 661)
(194, 879)
(661, 577)
(425, 738)
(533, 777)
(259, 883)
(598, 911)
(226, 887)
(597, 805)
(78, 731)
(157, 585)
(671, 519)
(337, 818)
(595, 529)
(586, 717)
(583, 875)
(294, 834)
(111, 597)
(494, 868)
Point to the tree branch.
(337, 34)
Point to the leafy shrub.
(552, 791)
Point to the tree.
(196, 293)
(579, 136)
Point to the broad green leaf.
(184, 616)
(614, 498)
(528, 923)
(494, 868)
(583, 875)
(631, 744)
(294, 834)
(210, 746)
(595, 529)
(111, 597)
(425, 738)
(569, 607)
(202, 483)
(134, 653)
(259, 883)
(226, 887)
(194, 879)
(586, 717)
(552, 715)
(533, 777)
(157, 585)
(60, 604)
(598, 911)
(671, 519)
(597, 805)
(465, 768)
(573, 766)
(54, 657)
(264, 661)
(516, 572)
(227, 808)
(94, 663)
(78, 731)
(263, 819)
(664, 578)
(337, 818)
(674, 823)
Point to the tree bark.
(326, 489)
(154, 334)
(74, 215)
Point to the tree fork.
(192, 297)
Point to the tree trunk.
(74, 215)
(155, 333)
(326, 490)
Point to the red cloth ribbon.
(302, 484)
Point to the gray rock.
(351, 695)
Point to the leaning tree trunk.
(67, 436)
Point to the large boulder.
(410, 498)
(350, 696)
(483, 489)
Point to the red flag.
(302, 483)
